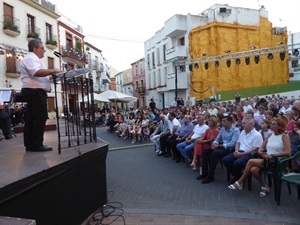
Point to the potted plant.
(33, 35)
(10, 28)
(52, 44)
(78, 46)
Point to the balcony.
(141, 90)
(33, 33)
(176, 53)
(73, 55)
(100, 67)
(11, 26)
(51, 42)
(176, 26)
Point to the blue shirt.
(186, 130)
(229, 137)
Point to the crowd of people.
(241, 134)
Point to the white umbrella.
(117, 96)
(97, 98)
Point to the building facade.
(23, 20)
(294, 62)
(138, 82)
(219, 30)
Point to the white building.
(161, 51)
(22, 20)
(294, 64)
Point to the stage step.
(16, 221)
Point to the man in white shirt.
(174, 127)
(35, 85)
(247, 106)
(186, 148)
(249, 141)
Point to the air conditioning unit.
(224, 10)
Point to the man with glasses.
(225, 140)
(35, 85)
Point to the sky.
(119, 28)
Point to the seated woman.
(205, 141)
(136, 128)
(277, 144)
(145, 131)
(295, 137)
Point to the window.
(142, 83)
(136, 85)
(158, 56)
(295, 63)
(153, 59)
(8, 13)
(49, 32)
(148, 61)
(164, 52)
(181, 41)
(50, 63)
(69, 42)
(31, 23)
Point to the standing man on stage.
(35, 85)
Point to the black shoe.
(200, 177)
(1, 138)
(8, 137)
(42, 149)
(208, 180)
(178, 160)
(167, 156)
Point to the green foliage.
(78, 46)
(51, 42)
(260, 91)
(10, 26)
(32, 35)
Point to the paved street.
(155, 190)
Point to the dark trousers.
(5, 123)
(35, 117)
(163, 143)
(210, 160)
(170, 143)
(235, 165)
(174, 150)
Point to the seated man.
(161, 130)
(249, 141)
(5, 122)
(186, 148)
(225, 140)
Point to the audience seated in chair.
(225, 140)
(249, 142)
(277, 144)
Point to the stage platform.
(52, 188)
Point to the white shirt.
(173, 123)
(247, 107)
(29, 66)
(198, 131)
(251, 140)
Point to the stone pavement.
(155, 190)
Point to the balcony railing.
(33, 32)
(51, 40)
(141, 90)
(73, 53)
(11, 23)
